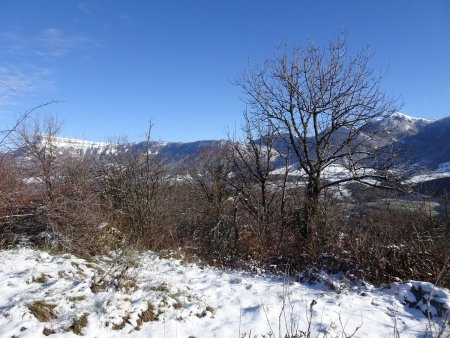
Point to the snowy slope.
(173, 151)
(77, 147)
(393, 128)
(402, 125)
(431, 146)
(195, 301)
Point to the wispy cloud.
(16, 82)
(48, 43)
(84, 7)
(125, 18)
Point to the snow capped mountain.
(396, 126)
(422, 141)
(77, 147)
(403, 117)
(405, 124)
(173, 151)
(430, 146)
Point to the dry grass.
(160, 288)
(43, 278)
(76, 298)
(125, 321)
(178, 305)
(204, 313)
(78, 324)
(43, 312)
(148, 315)
(47, 332)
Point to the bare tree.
(14, 197)
(322, 103)
(6, 133)
(38, 141)
(254, 163)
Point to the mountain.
(397, 126)
(430, 145)
(421, 141)
(172, 151)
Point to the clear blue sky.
(118, 63)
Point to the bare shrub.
(384, 245)
(13, 197)
(133, 185)
(37, 143)
(120, 274)
(15, 202)
(76, 215)
(214, 204)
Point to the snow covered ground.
(171, 298)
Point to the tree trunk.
(310, 207)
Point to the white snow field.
(178, 299)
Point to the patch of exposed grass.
(120, 326)
(98, 284)
(209, 309)
(47, 332)
(90, 265)
(149, 315)
(127, 284)
(178, 304)
(42, 278)
(76, 298)
(184, 258)
(43, 312)
(80, 271)
(160, 288)
(78, 324)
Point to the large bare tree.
(322, 102)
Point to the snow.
(442, 171)
(409, 118)
(331, 172)
(443, 167)
(336, 172)
(198, 301)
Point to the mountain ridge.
(423, 142)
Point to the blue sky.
(116, 64)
